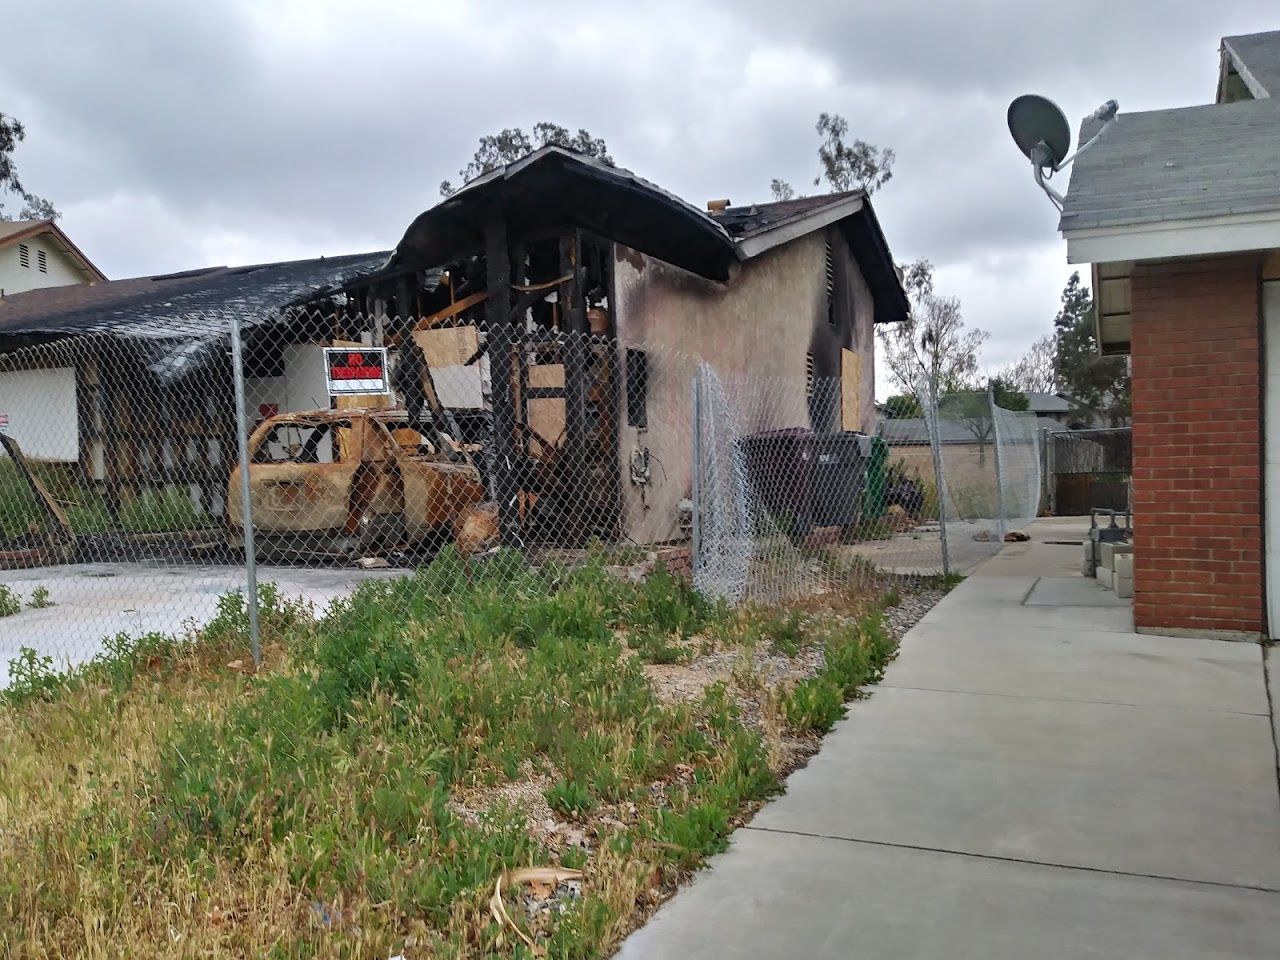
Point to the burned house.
(552, 314)
(593, 294)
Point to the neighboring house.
(1064, 410)
(36, 254)
(1178, 211)
(561, 306)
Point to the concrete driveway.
(1032, 779)
(91, 601)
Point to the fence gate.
(1089, 468)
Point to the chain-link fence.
(373, 443)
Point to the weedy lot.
(376, 786)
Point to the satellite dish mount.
(1040, 130)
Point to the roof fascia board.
(795, 227)
(1242, 70)
(1175, 238)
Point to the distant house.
(1178, 212)
(1060, 408)
(36, 254)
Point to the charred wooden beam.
(504, 454)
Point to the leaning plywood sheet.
(49, 542)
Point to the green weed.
(10, 602)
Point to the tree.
(510, 144)
(931, 349)
(12, 133)
(781, 190)
(973, 408)
(1037, 371)
(1100, 384)
(902, 406)
(849, 165)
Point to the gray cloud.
(174, 135)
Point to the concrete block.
(1124, 565)
(1123, 586)
(1107, 552)
(1105, 575)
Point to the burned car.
(352, 483)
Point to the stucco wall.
(15, 278)
(762, 323)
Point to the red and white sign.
(4, 419)
(351, 371)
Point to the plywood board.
(546, 417)
(449, 346)
(850, 390)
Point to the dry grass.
(360, 795)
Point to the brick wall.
(1197, 446)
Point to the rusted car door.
(301, 475)
(436, 488)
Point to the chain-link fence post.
(935, 443)
(246, 509)
(695, 541)
(999, 457)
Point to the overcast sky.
(175, 135)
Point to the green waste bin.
(875, 482)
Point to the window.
(24, 255)
(808, 374)
(43, 260)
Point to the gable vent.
(24, 255)
(43, 260)
(831, 287)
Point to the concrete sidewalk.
(1032, 779)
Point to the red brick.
(1197, 465)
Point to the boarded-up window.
(850, 390)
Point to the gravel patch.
(910, 611)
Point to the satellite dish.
(1040, 130)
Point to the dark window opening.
(637, 388)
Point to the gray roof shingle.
(1187, 163)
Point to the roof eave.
(1171, 239)
(1251, 82)
(796, 226)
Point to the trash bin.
(875, 484)
(807, 479)
(838, 464)
(778, 468)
